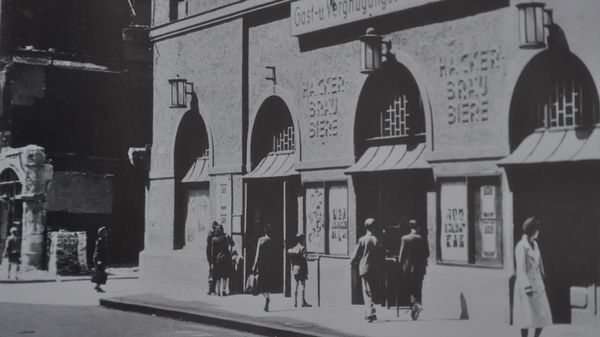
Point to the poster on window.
(315, 220)
(488, 239)
(454, 227)
(224, 201)
(197, 218)
(488, 201)
(338, 219)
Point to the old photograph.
(345, 168)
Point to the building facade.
(262, 115)
(75, 80)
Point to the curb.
(82, 278)
(235, 323)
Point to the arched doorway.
(272, 186)
(192, 161)
(11, 207)
(391, 177)
(554, 173)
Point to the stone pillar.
(38, 175)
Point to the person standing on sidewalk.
(264, 263)
(369, 257)
(531, 308)
(413, 255)
(298, 256)
(211, 279)
(12, 250)
(220, 260)
(100, 257)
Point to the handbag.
(252, 284)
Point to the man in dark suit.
(369, 257)
(413, 255)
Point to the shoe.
(98, 289)
(266, 308)
(416, 311)
(306, 305)
(371, 318)
(224, 294)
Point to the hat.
(531, 225)
(412, 223)
(300, 236)
(101, 229)
(14, 230)
(369, 223)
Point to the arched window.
(10, 186)
(554, 91)
(390, 110)
(273, 130)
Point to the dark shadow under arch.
(191, 142)
(378, 91)
(543, 71)
(272, 117)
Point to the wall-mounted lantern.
(180, 88)
(533, 20)
(371, 51)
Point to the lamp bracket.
(273, 76)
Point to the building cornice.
(202, 20)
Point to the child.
(13, 251)
(299, 268)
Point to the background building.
(75, 79)
(467, 127)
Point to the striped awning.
(274, 165)
(391, 158)
(557, 145)
(198, 173)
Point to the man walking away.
(369, 256)
(413, 255)
(12, 250)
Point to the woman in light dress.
(531, 308)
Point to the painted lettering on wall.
(467, 84)
(321, 97)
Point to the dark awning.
(391, 158)
(557, 145)
(198, 173)
(274, 165)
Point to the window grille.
(394, 118)
(565, 103)
(284, 140)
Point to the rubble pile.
(67, 253)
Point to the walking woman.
(531, 308)
(220, 260)
(263, 264)
(100, 257)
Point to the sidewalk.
(244, 312)
(38, 276)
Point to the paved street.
(70, 309)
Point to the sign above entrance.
(312, 15)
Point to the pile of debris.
(67, 253)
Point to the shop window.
(326, 218)
(10, 185)
(470, 227)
